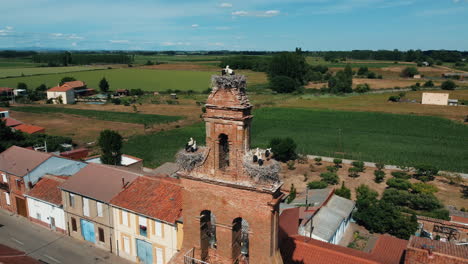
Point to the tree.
(400, 175)
(283, 84)
(67, 79)
(400, 184)
(317, 185)
(332, 169)
(41, 88)
(380, 166)
(421, 187)
(337, 162)
(318, 161)
(362, 88)
(110, 143)
(448, 85)
(329, 177)
(409, 72)
(290, 64)
(104, 85)
(379, 176)
(362, 71)
(292, 194)
(428, 84)
(342, 82)
(353, 172)
(343, 191)
(22, 86)
(359, 165)
(283, 149)
(425, 172)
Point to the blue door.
(144, 251)
(87, 230)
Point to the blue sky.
(235, 24)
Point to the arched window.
(240, 239)
(207, 232)
(223, 151)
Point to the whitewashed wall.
(46, 211)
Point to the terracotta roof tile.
(299, 249)
(445, 248)
(11, 122)
(17, 161)
(100, 182)
(3, 109)
(389, 249)
(30, 129)
(62, 88)
(459, 219)
(47, 190)
(5, 89)
(156, 197)
(75, 84)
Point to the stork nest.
(189, 160)
(229, 81)
(268, 172)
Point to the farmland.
(16, 72)
(387, 138)
(124, 117)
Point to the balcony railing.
(189, 258)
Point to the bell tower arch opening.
(223, 151)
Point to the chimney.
(123, 182)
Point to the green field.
(16, 72)
(355, 63)
(129, 78)
(388, 138)
(101, 115)
(17, 63)
(142, 59)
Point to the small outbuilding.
(435, 98)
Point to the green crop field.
(16, 72)
(356, 63)
(141, 59)
(101, 115)
(389, 138)
(128, 78)
(16, 63)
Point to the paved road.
(48, 246)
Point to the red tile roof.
(156, 197)
(389, 249)
(459, 219)
(62, 88)
(11, 122)
(288, 223)
(6, 90)
(299, 249)
(439, 247)
(76, 154)
(30, 129)
(75, 84)
(3, 109)
(17, 161)
(13, 256)
(47, 189)
(100, 182)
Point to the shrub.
(359, 165)
(371, 75)
(353, 172)
(318, 161)
(425, 172)
(302, 159)
(379, 176)
(428, 84)
(400, 184)
(394, 98)
(283, 84)
(380, 166)
(409, 72)
(329, 177)
(292, 194)
(424, 201)
(291, 164)
(448, 85)
(317, 185)
(421, 187)
(337, 162)
(284, 149)
(400, 175)
(343, 191)
(362, 88)
(332, 169)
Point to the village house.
(86, 197)
(67, 92)
(126, 161)
(22, 168)
(146, 220)
(45, 203)
(11, 122)
(4, 113)
(29, 129)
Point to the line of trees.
(67, 58)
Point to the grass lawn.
(129, 78)
(16, 72)
(388, 138)
(101, 115)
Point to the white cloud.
(218, 44)
(180, 43)
(120, 41)
(195, 25)
(268, 13)
(225, 5)
(8, 28)
(6, 31)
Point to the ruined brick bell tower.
(230, 202)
